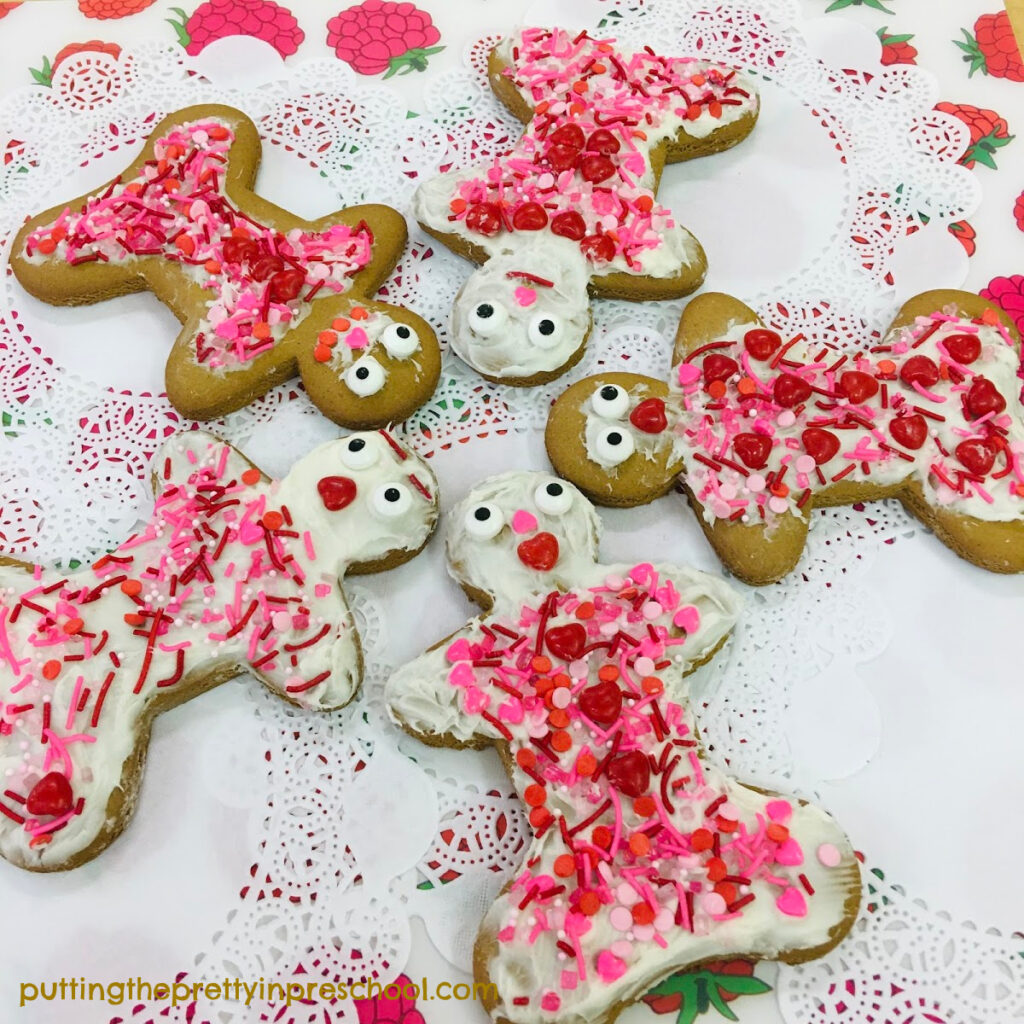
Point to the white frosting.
(234, 612)
(492, 565)
(550, 959)
(516, 348)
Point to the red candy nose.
(539, 552)
(50, 796)
(336, 492)
(649, 416)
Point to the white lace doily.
(864, 160)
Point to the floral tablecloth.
(896, 706)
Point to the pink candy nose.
(523, 521)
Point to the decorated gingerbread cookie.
(233, 572)
(760, 429)
(643, 857)
(572, 207)
(261, 294)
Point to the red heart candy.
(630, 773)
(820, 444)
(791, 390)
(598, 248)
(919, 369)
(566, 642)
(51, 796)
(530, 217)
(978, 456)
(568, 135)
(858, 387)
(336, 492)
(286, 285)
(761, 343)
(265, 267)
(752, 449)
(718, 367)
(569, 225)
(562, 158)
(539, 552)
(909, 431)
(484, 218)
(649, 416)
(596, 168)
(602, 141)
(964, 348)
(238, 250)
(983, 397)
(601, 703)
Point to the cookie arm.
(427, 698)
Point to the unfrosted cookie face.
(524, 317)
(522, 532)
(613, 435)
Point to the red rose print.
(896, 49)
(1008, 293)
(993, 49)
(688, 994)
(217, 19)
(378, 35)
(382, 1010)
(1018, 211)
(989, 132)
(6, 8)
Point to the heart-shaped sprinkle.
(566, 642)
(523, 521)
(984, 398)
(539, 552)
(336, 492)
(687, 618)
(601, 703)
(356, 338)
(51, 796)
(789, 853)
(459, 650)
(752, 449)
(792, 903)
(779, 810)
(525, 296)
(858, 387)
(649, 416)
(630, 773)
(790, 390)
(910, 431)
(820, 444)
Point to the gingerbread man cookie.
(260, 293)
(643, 857)
(760, 429)
(572, 206)
(233, 572)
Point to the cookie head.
(613, 436)
(366, 500)
(524, 317)
(519, 534)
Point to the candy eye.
(610, 402)
(357, 453)
(484, 521)
(614, 445)
(365, 376)
(400, 340)
(553, 498)
(487, 318)
(392, 500)
(545, 330)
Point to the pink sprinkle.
(688, 373)
(779, 810)
(322, 589)
(829, 855)
(569, 980)
(356, 338)
(621, 919)
(459, 650)
(609, 967)
(792, 903)
(687, 618)
(525, 296)
(712, 903)
(789, 853)
(462, 675)
(507, 934)
(550, 1002)
(475, 700)
(523, 522)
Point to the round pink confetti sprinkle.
(561, 698)
(804, 464)
(621, 919)
(643, 932)
(756, 483)
(727, 491)
(281, 620)
(712, 903)
(613, 582)
(786, 418)
(665, 921)
(729, 811)
(778, 505)
(626, 895)
(829, 855)
(577, 668)
(651, 610)
(644, 666)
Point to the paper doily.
(327, 892)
